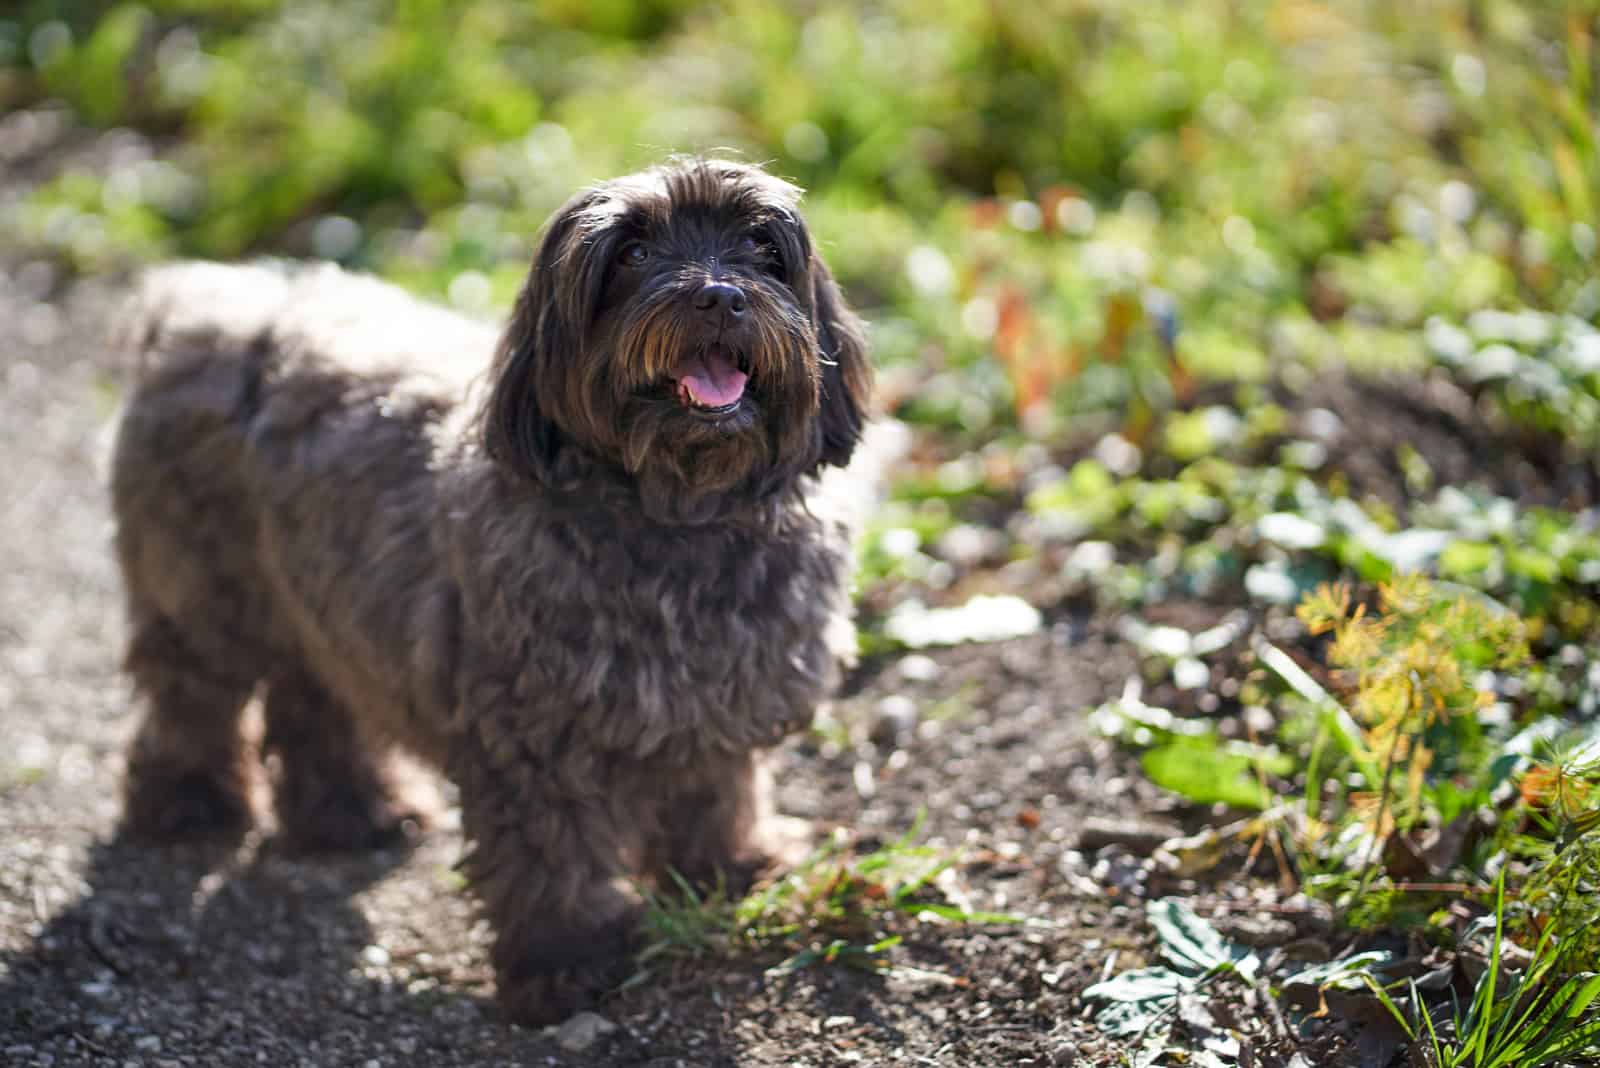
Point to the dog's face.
(678, 325)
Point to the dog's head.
(679, 325)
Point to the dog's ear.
(520, 423)
(846, 375)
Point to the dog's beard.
(695, 414)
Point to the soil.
(115, 954)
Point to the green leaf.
(1533, 564)
(1139, 999)
(1341, 972)
(1141, 984)
(1463, 559)
(1531, 1036)
(1191, 943)
(957, 914)
(1199, 769)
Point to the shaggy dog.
(591, 588)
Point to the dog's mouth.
(712, 380)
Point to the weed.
(835, 907)
(1542, 1015)
(1416, 663)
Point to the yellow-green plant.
(1415, 668)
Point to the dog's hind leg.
(330, 785)
(188, 768)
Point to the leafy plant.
(1416, 693)
(1144, 1003)
(1545, 1014)
(835, 907)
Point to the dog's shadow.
(188, 947)
(230, 952)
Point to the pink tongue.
(711, 379)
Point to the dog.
(591, 585)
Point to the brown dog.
(591, 596)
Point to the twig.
(1377, 824)
(1279, 1024)
(1223, 905)
(1441, 888)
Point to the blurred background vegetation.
(1107, 197)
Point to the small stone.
(1190, 674)
(918, 668)
(895, 716)
(984, 618)
(376, 956)
(1090, 559)
(865, 782)
(969, 544)
(1322, 424)
(1119, 455)
(583, 1031)
(1290, 530)
(1271, 584)
(147, 1043)
(834, 1023)
(1064, 1054)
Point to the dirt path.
(112, 954)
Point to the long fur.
(589, 606)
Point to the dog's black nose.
(716, 297)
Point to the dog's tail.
(191, 311)
(197, 327)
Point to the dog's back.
(191, 314)
(227, 360)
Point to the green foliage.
(1055, 207)
(835, 907)
(1144, 1003)
(1415, 661)
(1206, 771)
(1544, 1015)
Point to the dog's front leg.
(551, 871)
(721, 829)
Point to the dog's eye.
(758, 245)
(633, 254)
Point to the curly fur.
(587, 603)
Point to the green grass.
(837, 907)
(1542, 1015)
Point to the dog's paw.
(343, 819)
(550, 999)
(169, 805)
(563, 973)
